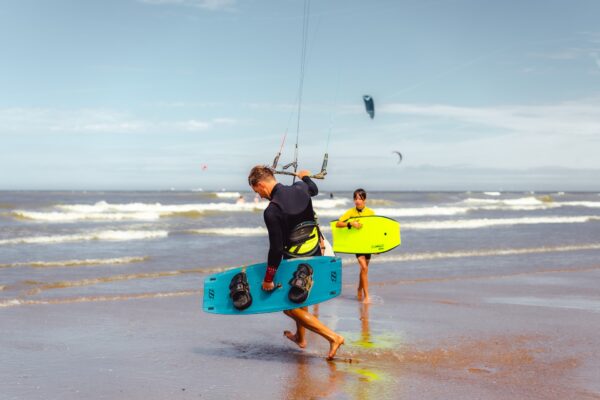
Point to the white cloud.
(596, 58)
(569, 118)
(193, 125)
(90, 121)
(211, 5)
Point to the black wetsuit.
(289, 206)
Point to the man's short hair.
(260, 173)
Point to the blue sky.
(140, 94)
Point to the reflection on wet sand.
(355, 376)
(310, 381)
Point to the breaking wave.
(87, 299)
(523, 204)
(256, 231)
(489, 222)
(107, 235)
(389, 258)
(77, 263)
(226, 195)
(424, 225)
(402, 212)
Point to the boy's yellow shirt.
(353, 213)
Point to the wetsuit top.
(355, 212)
(289, 206)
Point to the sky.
(190, 94)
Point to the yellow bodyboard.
(377, 235)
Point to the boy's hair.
(260, 173)
(360, 193)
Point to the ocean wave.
(107, 235)
(79, 216)
(524, 203)
(486, 223)
(87, 299)
(492, 193)
(329, 203)
(588, 204)
(77, 263)
(236, 231)
(402, 212)
(36, 286)
(388, 258)
(160, 209)
(347, 260)
(103, 211)
(424, 225)
(226, 195)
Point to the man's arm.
(304, 175)
(273, 221)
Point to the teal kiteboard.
(326, 284)
(377, 235)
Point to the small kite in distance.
(369, 105)
(399, 156)
(204, 167)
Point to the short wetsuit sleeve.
(272, 216)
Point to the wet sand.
(525, 334)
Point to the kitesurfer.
(360, 210)
(289, 208)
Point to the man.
(289, 207)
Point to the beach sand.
(522, 334)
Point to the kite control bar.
(320, 175)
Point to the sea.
(92, 246)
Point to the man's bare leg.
(300, 336)
(310, 322)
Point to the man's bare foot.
(294, 338)
(334, 346)
(367, 300)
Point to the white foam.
(103, 211)
(400, 212)
(485, 222)
(492, 193)
(425, 225)
(80, 216)
(389, 258)
(523, 203)
(589, 204)
(76, 263)
(239, 231)
(86, 299)
(106, 235)
(329, 203)
(227, 195)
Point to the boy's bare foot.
(367, 300)
(334, 346)
(359, 294)
(294, 338)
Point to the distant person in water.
(290, 206)
(240, 200)
(360, 209)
